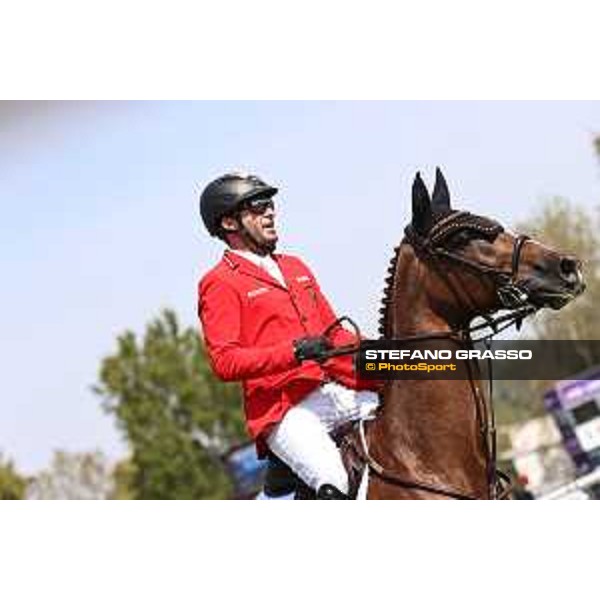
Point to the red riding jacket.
(250, 321)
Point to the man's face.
(258, 218)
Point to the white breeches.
(302, 438)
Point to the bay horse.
(433, 439)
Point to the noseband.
(510, 293)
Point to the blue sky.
(100, 226)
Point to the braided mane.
(388, 295)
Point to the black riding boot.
(330, 492)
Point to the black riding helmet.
(222, 196)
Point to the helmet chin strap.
(262, 248)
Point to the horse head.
(474, 266)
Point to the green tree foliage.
(177, 418)
(12, 485)
(124, 481)
(73, 476)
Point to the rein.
(511, 296)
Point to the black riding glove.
(312, 348)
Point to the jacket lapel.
(249, 268)
(286, 270)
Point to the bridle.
(510, 293)
(512, 297)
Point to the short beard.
(270, 246)
(263, 248)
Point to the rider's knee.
(335, 476)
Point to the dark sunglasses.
(259, 206)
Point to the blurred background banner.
(107, 392)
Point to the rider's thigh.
(302, 441)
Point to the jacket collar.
(235, 261)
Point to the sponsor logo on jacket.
(257, 292)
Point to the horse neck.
(428, 424)
(411, 312)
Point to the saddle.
(280, 480)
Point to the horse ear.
(421, 205)
(441, 196)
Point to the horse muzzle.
(556, 297)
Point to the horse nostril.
(568, 266)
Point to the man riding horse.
(263, 316)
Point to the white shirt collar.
(267, 263)
(257, 259)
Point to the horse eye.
(460, 239)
